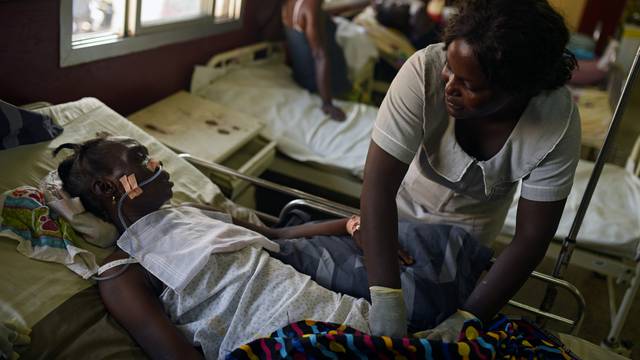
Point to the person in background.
(411, 18)
(317, 60)
(463, 123)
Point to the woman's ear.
(104, 188)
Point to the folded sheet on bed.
(293, 116)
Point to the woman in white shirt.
(462, 124)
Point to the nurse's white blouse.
(446, 185)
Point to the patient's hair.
(79, 169)
(520, 44)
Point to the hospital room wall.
(30, 70)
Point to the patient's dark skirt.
(448, 262)
(303, 63)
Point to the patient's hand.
(334, 112)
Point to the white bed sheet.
(266, 90)
(612, 221)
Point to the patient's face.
(130, 157)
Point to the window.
(97, 29)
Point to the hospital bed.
(610, 242)
(64, 311)
(394, 47)
(313, 149)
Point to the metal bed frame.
(317, 203)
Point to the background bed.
(255, 80)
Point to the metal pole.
(569, 242)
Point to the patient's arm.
(330, 227)
(132, 302)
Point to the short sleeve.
(398, 129)
(552, 179)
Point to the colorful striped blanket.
(502, 339)
(41, 233)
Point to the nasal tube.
(125, 265)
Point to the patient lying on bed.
(199, 280)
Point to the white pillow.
(93, 229)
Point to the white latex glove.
(388, 314)
(449, 329)
(11, 334)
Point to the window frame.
(137, 37)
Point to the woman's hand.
(448, 330)
(334, 112)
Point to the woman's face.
(468, 93)
(131, 157)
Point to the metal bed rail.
(341, 210)
(314, 202)
(246, 54)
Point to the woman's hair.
(79, 169)
(520, 44)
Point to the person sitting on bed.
(201, 281)
(410, 17)
(317, 60)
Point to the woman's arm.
(314, 29)
(130, 299)
(383, 175)
(536, 223)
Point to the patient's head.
(93, 171)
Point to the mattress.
(293, 118)
(612, 221)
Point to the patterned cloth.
(448, 262)
(503, 339)
(42, 234)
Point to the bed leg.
(612, 299)
(613, 339)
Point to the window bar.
(208, 6)
(133, 16)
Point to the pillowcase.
(93, 229)
(20, 127)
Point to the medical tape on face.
(130, 185)
(152, 164)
